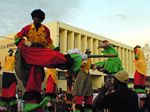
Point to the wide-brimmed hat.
(10, 50)
(122, 76)
(87, 51)
(105, 41)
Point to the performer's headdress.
(105, 41)
(137, 46)
(87, 51)
(39, 14)
(10, 50)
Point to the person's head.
(37, 16)
(137, 46)
(88, 52)
(121, 79)
(10, 52)
(104, 44)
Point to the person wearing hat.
(141, 69)
(113, 64)
(88, 52)
(9, 82)
(82, 89)
(122, 99)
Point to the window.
(61, 75)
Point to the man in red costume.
(34, 53)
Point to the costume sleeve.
(22, 33)
(49, 39)
(110, 51)
(86, 65)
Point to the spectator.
(142, 102)
(121, 100)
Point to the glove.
(27, 43)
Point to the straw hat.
(122, 76)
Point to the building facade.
(69, 37)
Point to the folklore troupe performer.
(71, 75)
(141, 69)
(76, 55)
(9, 83)
(113, 63)
(82, 89)
(33, 54)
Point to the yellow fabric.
(140, 62)
(86, 65)
(52, 72)
(9, 64)
(0, 66)
(37, 36)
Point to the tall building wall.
(71, 37)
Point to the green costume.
(112, 64)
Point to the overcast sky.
(126, 21)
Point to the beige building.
(70, 37)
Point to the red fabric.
(139, 79)
(23, 32)
(79, 99)
(88, 100)
(9, 92)
(34, 80)
(41, 56)
(50, 86)
(69, 88)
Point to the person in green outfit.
(113, 64)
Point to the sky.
(125, 21)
